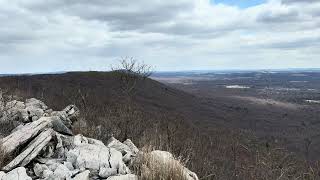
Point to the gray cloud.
(73, 33)
(299, 1)
(308, 42)
(120, 15)
(278, 17)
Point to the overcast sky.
(63, 35)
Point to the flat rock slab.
(24, 134)
(31, 151)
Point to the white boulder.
(165, 158)
(33, 102)
(39, 169)
(116, 144)
(124, 177)
(18, 173)
(62, 172)
(2, 174)
(96, 157)
(82, 176)
(132, 147)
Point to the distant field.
(278, 106)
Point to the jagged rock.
(80, 140)
(53, 166)
(10, 111)
(95, 157)
(82, 176)
(32, 102)
(116, 144)
(132, 147)
(124, 177)
(30, 114)
(63, 145)
(18, 173)
(69, 165)
(72, 112)
(24, 134)
(30, 111)
(48, 150)
(2, 174)
(128, 151)
(39, 169)
(128, 157)
(68, 115)
(31, 151)
(15, 104)
(46, 174)
(60, 127)
(62, 172)
(105, 172)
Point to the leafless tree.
(131, 71)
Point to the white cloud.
(59, 35)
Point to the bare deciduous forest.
(126, 105)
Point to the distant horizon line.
(176, 71)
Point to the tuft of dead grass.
(5, 158)
(160, 165)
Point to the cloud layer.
(57, 35)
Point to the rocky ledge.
(45, 147)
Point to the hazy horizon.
(181, 71)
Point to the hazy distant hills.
(265, 117)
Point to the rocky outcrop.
(47, 148)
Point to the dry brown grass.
(5, 158)
(151, 166)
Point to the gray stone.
(38, 169)
(18, 173)
(31, 151)
(11, 111)
(68, 115)
(82, 176)
(69, 165)
(95, 157)
(24, 134)
(2, 174)
(107, 172)
(80, 140)
(33, 102)
(47, 173)
(116, 144)
(62, 172)
(132, 147)
(60, 127)
(124, 177)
